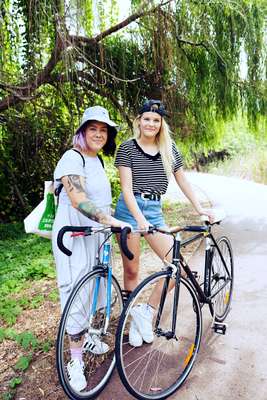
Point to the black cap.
(153, 106)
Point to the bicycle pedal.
(219, 328)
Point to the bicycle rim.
(221, 279)
(156, 370)
(76, 316)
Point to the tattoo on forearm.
(74, 183)
(91, 211)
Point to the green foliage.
(7, 333)
(22, 259)
(53, 295)
(28, 159)
(27, 340)
(15, 382)
(46, 346)
(30, 346)
(114, 179)
(9, 395)
(9, 311)
(247, 154)
(2, 335)
(23, 363)
(184, 52)
(37, 301)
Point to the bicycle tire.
(156, 370)
(218, 277)
(98, 368)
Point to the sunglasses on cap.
(153, 106)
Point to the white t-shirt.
(97, 184)
(84, 249)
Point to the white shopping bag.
(40, 220)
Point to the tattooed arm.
(75, 188)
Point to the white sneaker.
(142, 315)
(77, 379)
(135, 338)
(93, 344)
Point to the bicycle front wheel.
(96, 333)
(221, 278)
(157, 369)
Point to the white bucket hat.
(97, 113)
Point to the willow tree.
(58, 57)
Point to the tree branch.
(84, 79)
(23, 92)
(196, 44)
(117, 27)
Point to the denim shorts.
(151, 209)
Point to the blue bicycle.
(91, 314)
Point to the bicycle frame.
(179, 262)
(204, 295)
(104, 266)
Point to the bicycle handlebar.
(123, 242)
(62, 232)
(88, 230)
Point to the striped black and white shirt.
(148, 173)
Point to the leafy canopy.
(58, 57)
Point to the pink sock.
(76, 353)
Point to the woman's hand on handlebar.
(142, 223)
(208, 212)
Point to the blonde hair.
(163, 141)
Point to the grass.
(23, 258)
(252, 165)
(247, 150)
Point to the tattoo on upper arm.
(87, 208)
(74, 183)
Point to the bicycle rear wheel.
(221, 278)
(156, 370)
(76, 318)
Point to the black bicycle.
(156, 370)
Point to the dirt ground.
(40, 380)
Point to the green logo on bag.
(47, 219)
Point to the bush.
(114, 179)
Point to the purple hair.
(79, 140)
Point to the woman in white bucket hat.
(85, 199)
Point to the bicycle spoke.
(221, 279)
(98, 366)
(155, 370)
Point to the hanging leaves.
(58, 57)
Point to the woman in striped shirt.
(145, 165)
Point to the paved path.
(234, 366)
